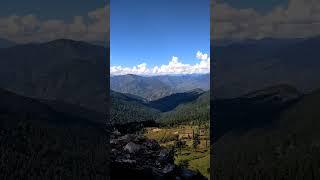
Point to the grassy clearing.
(195, 159)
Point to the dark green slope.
(43, 139)
(289, 149)
(303, 117)
(126, 108)
(196, 111)
(168, 103)
(256, 109)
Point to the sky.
(42, 21)
(262, 6)
(251, 19)
(159, 36)
(57, 9)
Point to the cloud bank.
(175, 66)
(300, 19)
(94, 26)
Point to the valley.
(53, 107)
(178, 122)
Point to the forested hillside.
(126, 109)
(170, 102)
(287, 147)
(195, 112)
(41, 140)
(253, 110)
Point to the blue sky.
(152, 31)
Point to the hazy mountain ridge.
(63, 69)
(243, 67)
(145, 87)
(156, 87)
(184, 83)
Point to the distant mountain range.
(155, 87)
(65, 70)
(242, 67)
(145, 87)
(152, 98)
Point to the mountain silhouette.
(243, 67)
(64, 70)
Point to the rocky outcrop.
(134, 156)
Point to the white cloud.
(202, 56)
(29, 28)
(301, 18)
(175, 66)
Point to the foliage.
(126, 109)
(196, 141)
(41, 142)
(196, 112)
(289, 149)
